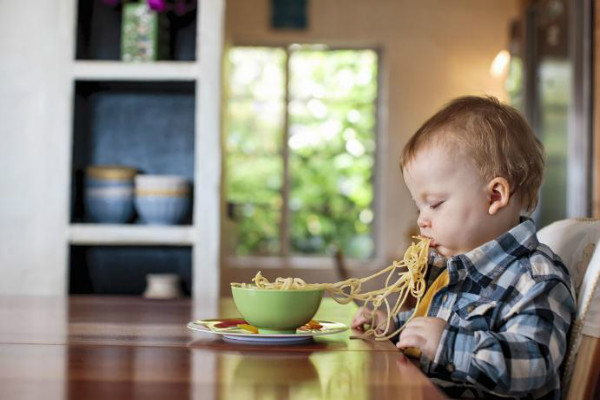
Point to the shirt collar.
(484, 263)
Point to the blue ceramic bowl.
(91, 183)
(115, 208)
(162, 210)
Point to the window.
(300, 141)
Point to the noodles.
(404, 277)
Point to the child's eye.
(435, 205)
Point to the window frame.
(294, 261)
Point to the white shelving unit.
(205, 72)
(40, 72)
(119, 71)
(134, 235)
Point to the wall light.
(499, 66)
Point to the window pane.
(554, 99)
(254, 127)
(253, 142)
(514, 83)
(332, 150)
(256, 73)
(254, 203)
(339, 74)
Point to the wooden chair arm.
(587, 370)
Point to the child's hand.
(364, 316)
(423, 333)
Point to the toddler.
(498, 321)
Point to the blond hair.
(496, 138)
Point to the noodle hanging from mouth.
(405, 277)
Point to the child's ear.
(498, 191)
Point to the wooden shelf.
(123, 71)
(121, 235)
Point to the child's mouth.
(432, 242)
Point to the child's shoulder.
(535, 272)
(541, 264)
(528, 256)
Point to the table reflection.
(268, 376)
(318, 375)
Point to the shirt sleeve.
(399, 320)
(402, 317)
(518, 357)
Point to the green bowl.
(277, 311)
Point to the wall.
(431, 51)
(35, 145)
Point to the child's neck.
(506, 220)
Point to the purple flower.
(157, 5)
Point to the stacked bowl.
(109, 193)
(162, 199)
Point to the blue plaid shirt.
(508, 308)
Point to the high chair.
(577, 242)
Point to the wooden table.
(123, 347)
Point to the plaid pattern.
(508, 306)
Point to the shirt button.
(470, 309)
(450, 367)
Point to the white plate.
(238, 335)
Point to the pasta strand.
(404, 277)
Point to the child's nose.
(423, 222)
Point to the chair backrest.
(577, 242)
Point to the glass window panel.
(254, 203)
(257, 73)
(554, 98)
(332, 149)
(334, 74)
(256, 229)
(253, 179)
(253, 139)
(254, 127)
(514, 83)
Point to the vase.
(144, 34)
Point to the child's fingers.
(358, 322)
(361, 319)
(417, 322)
(362, 316)
(412, 335)
(416, 327)
(408, 339)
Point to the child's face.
(452, 199)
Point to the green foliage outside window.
(330, 139)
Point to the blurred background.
(206, 140)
